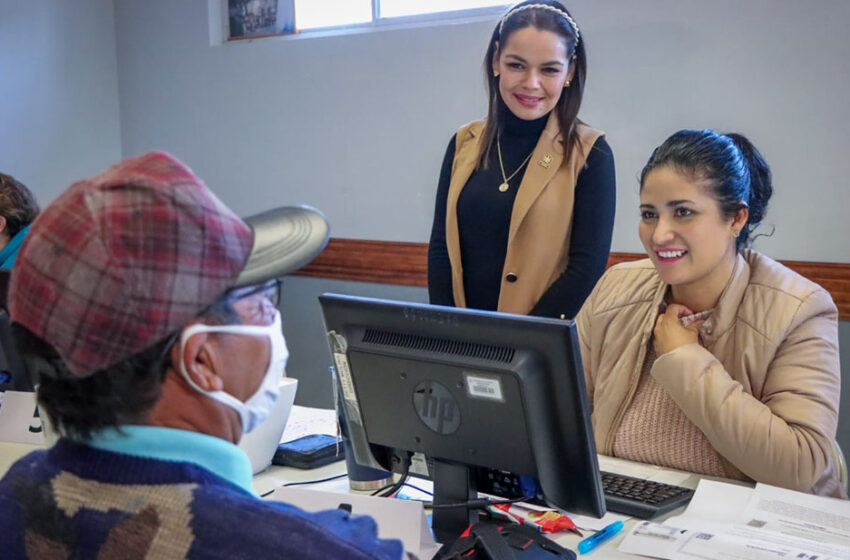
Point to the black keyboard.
(641, 498)
(628, 495)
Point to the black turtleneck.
(484, 215)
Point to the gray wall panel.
(58, 92)
(305, 333)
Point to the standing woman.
(525, 202)
(709, 357)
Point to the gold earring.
(495, 73)
(567, 84)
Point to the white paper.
(730, 522)
(396, 519)
(18, 420)
(724, 542)
(744, 542)
(652, 539)
(714, 502)
(587, 523)
(797, 514)
(305, 421)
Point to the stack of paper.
(305, 421)
(728, 522)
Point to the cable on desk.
(270, 492)
(409, 485)
(316, 481)
(391, 489)
(477, 504)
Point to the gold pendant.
(504, 187)
(545, 162)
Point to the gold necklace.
(505, 185)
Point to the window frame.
(219, 35)
(379, 21)
(463, 13)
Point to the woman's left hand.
(669, 332)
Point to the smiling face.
(533, 65)
(691, 244)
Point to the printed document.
(305, 421)
(728, 522)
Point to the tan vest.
(541, 220)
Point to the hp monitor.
(480, 396)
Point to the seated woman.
(18, 209)
(709, 357)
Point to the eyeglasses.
(270, 290)
(259, 301)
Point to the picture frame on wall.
(250, 19)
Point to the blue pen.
(599, 537)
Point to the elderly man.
(147, 311)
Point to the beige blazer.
(541, 220)
(763, 384)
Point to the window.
(312, 14)
(396, 8)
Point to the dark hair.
(121, 394)
(17, 204)
(728, 164)
(568, 105)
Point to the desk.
(11, 452)
(275, 476)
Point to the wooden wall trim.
(385, 262)
(393, 262)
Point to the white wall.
(58, 92)
(357, 124)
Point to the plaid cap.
(122, 259)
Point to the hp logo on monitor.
(436, 407)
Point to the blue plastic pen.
(599, 537)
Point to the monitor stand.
(453, 483)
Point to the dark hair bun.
(761, 185)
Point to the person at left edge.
(18, 208)
(525, 201)
(148, 312)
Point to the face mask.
(256, 409)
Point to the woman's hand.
(669, 332)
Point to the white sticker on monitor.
(419, 465)
(483, 387)
(345, 381)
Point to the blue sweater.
(79, 501)
(10, 251)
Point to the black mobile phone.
(309, 452)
